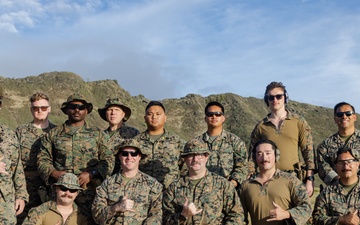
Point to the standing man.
(61, 211)
(201, 197)
(162, 147)
(290, 132)
(273, 195)
(13, 192)
(347, 136)
(29, 138)
(76, 147)
(129, 197)
(116, 114)
(339, 202)
(228, 156)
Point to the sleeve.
(254, 137)
(326, 172)
(320, 213)
(243, 203)
(171, 210)
(35, 216)
(106, 158)
(155, 212)
(240, 170)
(45, 158)
(306, 144)
(19, 177)
(232, 206)
(100, 207)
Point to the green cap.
(195, 146)
(115, 102)
(76, 97)
(69, 180)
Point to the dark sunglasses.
(65, 189)
(217, 114)
(76, 106)
(272, 97)
(42, 108)
(133, 154)
(347, 113)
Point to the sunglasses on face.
(42, 108)
(272, 97)
(76, 106)
(347, 113)
(126, 154)
(65, 189)
(211, 114)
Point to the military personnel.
(347, 136)
(29, 138)
(116, 114)
(290, 132)
(273, 196)
(130, 196)
(76, 147)
(61, 211)
(13, 194)
(339, 202)
(161, 146)
(201, 197)
(228, 156)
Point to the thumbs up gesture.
(125, 205)
(189, 209)
(278, 213)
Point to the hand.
(234, 182)
(124, 206)
(84, 178)
(189, 209)
(19, 206)
(309, 187)
(278, 213)
(3, 167)
(350, 218)
(56, 174)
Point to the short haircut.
(38, 96)
(264, 141)
(216, 104)
(154, 103)
(345, 150)
(342, 104)
(273, 85)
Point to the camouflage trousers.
(7, 212)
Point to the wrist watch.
(94, 172)
(311, 178)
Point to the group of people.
(75, 173)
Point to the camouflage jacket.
(75, 152)
(284, 189)
(328, 149)
(47, 213)
(334, 202)
(144, 190)
(163, 159)
(118, 136)
(29, 139)
(214, 194)
(12, 185)
(228, 156)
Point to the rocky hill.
(185, 115)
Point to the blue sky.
(170, 48)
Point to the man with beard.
(29, 137)
(273, 196)
(201, 197)
(162, 147)
(346, 137)
(228, 156)
(339, 202)
(78, 148)
(61, 211)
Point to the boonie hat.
(133, 144)
(195, 146)
(69, 180)
(116, 102)
(76, 97)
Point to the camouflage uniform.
(163, 156)
(29, 139)
(144, 190)
(85, 149)
(228, 156)
(214, 194)
(12, 185)
(285, 190)
(328, 149)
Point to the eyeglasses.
(126, 154)
(272, 97)
(211, 114)
(347, 113)
(348, 162)
(198, 156)
(65, 189)
(76, 106)
(42, 108)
